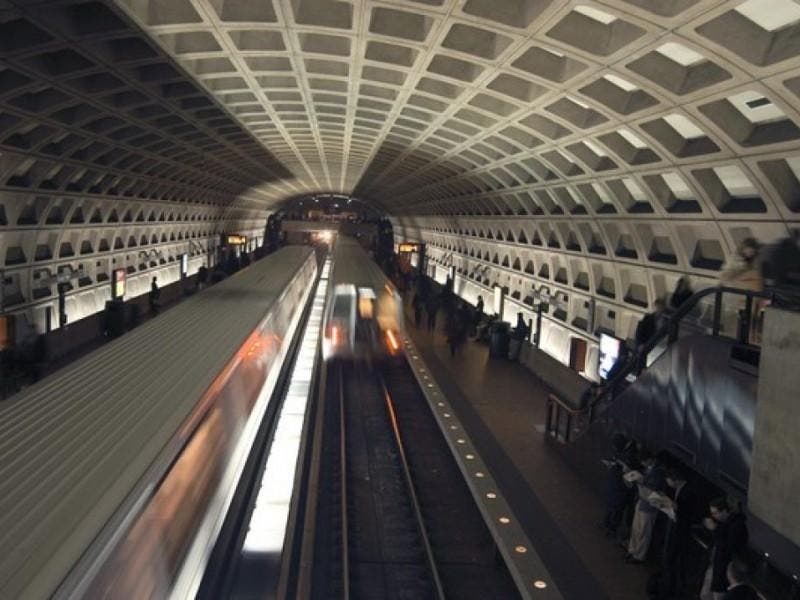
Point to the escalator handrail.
(666, 330)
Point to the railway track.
(396, 520)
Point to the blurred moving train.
(364, 317)
(117, 470)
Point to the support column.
(774, 485)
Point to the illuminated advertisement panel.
(609, 353)
(118, 284)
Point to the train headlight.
(392, 341)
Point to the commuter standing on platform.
(678, 535)
(456, 331)
(202, 276)
(416, 304)
(477, 316)
(479, 307)
(645, 515)
(432, 307)
(729, 532)
(617, 493)
(155, 294)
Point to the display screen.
(118, 284)
(184, 264)
(609, 352)
(408, 248)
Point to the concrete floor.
(502, 405)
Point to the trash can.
(499, 340)
(115, 318)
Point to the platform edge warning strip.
(523, 561)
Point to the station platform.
(502, 406)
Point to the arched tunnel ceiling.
(651, 133)
(427, 105)
(424, 106)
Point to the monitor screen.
(609, 352)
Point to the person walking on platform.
(729, 532)
(432, 307)
(202, 276)
(155, 294)
(645, 515)
(479, 308)
(456, 331)
(416, 304)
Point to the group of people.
(460, 319)
(644, 496)
(752, 268)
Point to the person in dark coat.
(521, 329)
(650, 323)
(617, 493)
(622, 360)
(477, 316)
(738, 588)
(155, 294)
(729, 532)
(683, 291)
(416, 304)
(432, 307)
(678, 534)
(202, 276)
(456, 331)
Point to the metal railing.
(565, 422)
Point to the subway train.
(117, 471)
(364, 317)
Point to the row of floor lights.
(468, 455)
(267, 528)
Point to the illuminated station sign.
(408, 247)
(234, 240)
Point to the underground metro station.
(400, 299)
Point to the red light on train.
(334, 333)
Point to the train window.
(365, 303)
(341, 307)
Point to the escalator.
(697, 401)
(723, 407)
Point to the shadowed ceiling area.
(616, 134)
